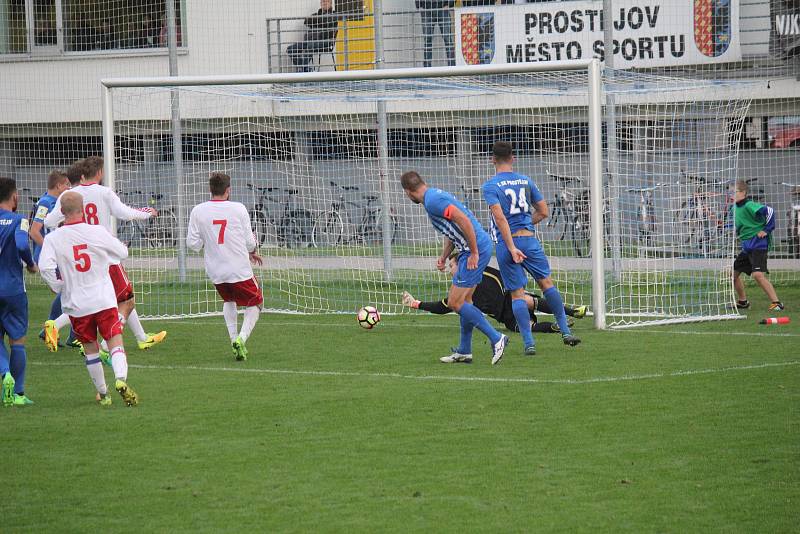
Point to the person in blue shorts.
(14, 250)
(57, 183)
(517, 205)
(463, 233)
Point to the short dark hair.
(218, 183)
(75, 172)
(502, 151)
(7, 188)
(92, 166)
(411, 181)
(55, 177)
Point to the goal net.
(317, 163)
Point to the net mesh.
(305, 159)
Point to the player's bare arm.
(505, 231)
(447, 249)
(541, 213)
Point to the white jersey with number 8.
(99, 204)
(222, 229)
(82, 254)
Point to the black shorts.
(749, 262)
(506, 316)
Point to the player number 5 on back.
(518, 202)
(222, 224)
(83, 262)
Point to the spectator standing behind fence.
(437, 13)
(320, 36)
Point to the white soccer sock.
(136, 326)
(62, 321)
(231, 318)
(95, 369)
(119, 362)
(103, 345)
(251, 314)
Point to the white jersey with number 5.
(82, 254)
(222, 229)
(99, 204)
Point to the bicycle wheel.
(160, 231)
(581, 235)
(328, 230)
(258, 224)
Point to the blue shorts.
(14, 316)
(536, 263)
(466, 278)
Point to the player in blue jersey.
(462, 232)
(517, 205)
(57, 183)
(14, 250)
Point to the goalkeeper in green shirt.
(754, 225)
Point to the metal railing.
(405, 35)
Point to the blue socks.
(474, 317)
(3, 358)
(557, 305)
(466, 336)
(19, 361)
(523, 317)
(55, 308)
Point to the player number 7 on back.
(222, 224)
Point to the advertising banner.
(784, 39)
(647, 33)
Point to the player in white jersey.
(99, 204)
(82, 254)
(222, 229)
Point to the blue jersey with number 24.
(516, 194)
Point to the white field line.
(567, 381)
(451, 325)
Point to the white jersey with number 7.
(222, 229)
(82, 254)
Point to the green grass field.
(327, 427)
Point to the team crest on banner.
(477, 38)
(712, 26)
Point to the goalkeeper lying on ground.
(491, 299)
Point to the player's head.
(326, 4)
(57, 182)
(93, 169)
(220, 185)
(453, 262)
(414, 186)
(75, 172)
(740, 190)
(502, 153)
(72, 206)
(8, 193)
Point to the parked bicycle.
(793, 234)
(571, 208)
(155, 232)
(336, 227)
(705, 215)
(645, 214)
(291, 227)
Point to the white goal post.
(305, 145)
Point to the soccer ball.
(368, 317)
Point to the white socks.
(95, 369)
(62, 321)
(251, 314)
(229, 312)
(119, 362)
(136, 326)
